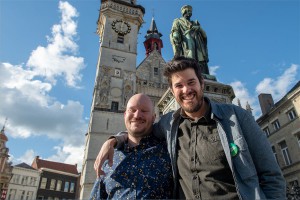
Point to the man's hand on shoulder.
(106, 153)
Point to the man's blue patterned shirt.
(140, 172)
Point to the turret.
(153, 41)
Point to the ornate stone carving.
(118, 59)
(121, 8)
(127, 93)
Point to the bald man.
(141, 168)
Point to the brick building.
(57, 181)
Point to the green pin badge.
(233, 149)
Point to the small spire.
(248, 107)
(2, 133)
(239, 103)
(153, 41)
(3, 128)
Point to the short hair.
(180, 63)
(184, 8)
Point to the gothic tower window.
(155, 71)
(120, 39)
(114, 106)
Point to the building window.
(285, 153)
(22, 197)
(298, 138)
(12, 194)
(155, 71)
(276, 125)
(294, 183)
(120, 39)
(29, 195)
(292, 114)
(114, 106)
(30, 179)
(274, 153)
(24, 180)
(267, 132)
(58, 185)
(52, 184)
(43, 183)
(16, 178)
(33, 181)
(207, 88)
(72, 188)
(40, 197)
(66, 188)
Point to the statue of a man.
(189, 39)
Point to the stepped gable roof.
(24, 165)
(39, 163)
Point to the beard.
(193, 106)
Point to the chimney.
(266, 102)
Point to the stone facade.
(150, 79)
(281, 123)
(118, 26)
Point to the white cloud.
(27, 158)
(25, 99)
(242, 93)
(55, 60)
(213, 70)
(69, 154)
(279, 86)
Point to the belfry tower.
(118, 26)
(153, 41)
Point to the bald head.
(139, 116)
(140, 98)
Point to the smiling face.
(188, 92)
(139, 116)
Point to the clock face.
(121, 27)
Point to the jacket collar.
(215, 111)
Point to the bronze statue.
(189, 39)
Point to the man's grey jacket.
(255, 170)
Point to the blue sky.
(49, 51)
